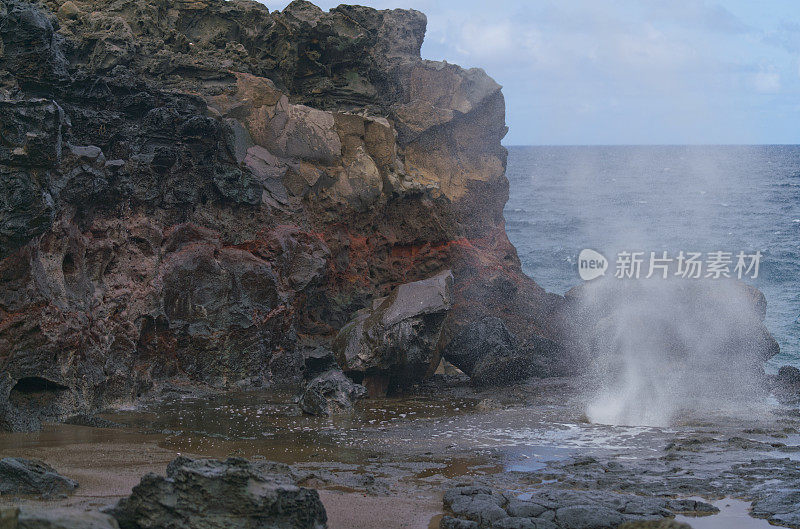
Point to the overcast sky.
(627, 71)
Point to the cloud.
(697, 15)
(786, 35)
(767, 82)
(568, 41)
(483, 40)
(583, 71)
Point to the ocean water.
(662, 198)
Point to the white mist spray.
(663, 350)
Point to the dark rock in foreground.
(770, 483)
(28, 476)
(397, 339)
(330, 393)
(213, 494)
(478, 507)
(779, 508)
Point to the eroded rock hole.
(37, 392)
(68, 264)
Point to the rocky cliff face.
(205, 189)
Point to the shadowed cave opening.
(68, 264)
(35, 392)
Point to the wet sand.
(109, 463)
(106, 463)
(357, 511)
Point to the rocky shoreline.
(519, 455)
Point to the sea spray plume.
(661, 350)
(657, 348)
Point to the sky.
(589, 72)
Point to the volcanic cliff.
(206, 190)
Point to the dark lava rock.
(666, 476)
(448, 522)
(488, 337)
(789, 377)
(64, 519)
(549, 508)
(213, 494)
(28, 476)
(490, 354)
(34, 399)
(780, 508)
(31, 147)
(399, 336)
(591, 516)
(32, 49)
(713, 468)
(330, 393)
(691, 507)
(317, 361)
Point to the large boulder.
(330, 393)
(490, 354)
(398, 338)
(486, 337)
(213, 494)
(30, 476)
